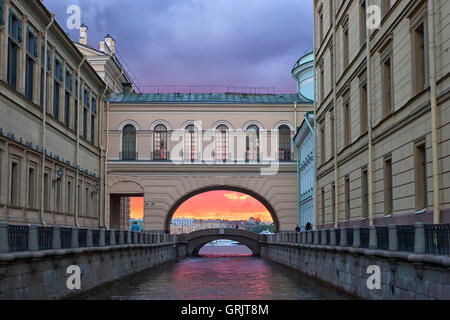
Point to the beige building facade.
(382, 112)
(51, 164)
(170, 147)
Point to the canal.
(220, 273)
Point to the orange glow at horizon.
(223, 205)
(137, 208)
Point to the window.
(252, 143)
(93, 117)
(284, 142)
(347, 198)
(76, 125)
(388, 192)
(385, 7)
(56, 102)
(128, 142)
(420, 70)
(69, 205)
(387, 87)
(322, 83)
(46, 191)
(31, 187)
(15, 180)
(30, 62)
(365, 193)
(320, 24)
(58, 206)
(345, 44)
(160, 142)
(421, 176)
(347, 122)
(322, 143)
(363, 107)
(92, 129)
(222, 142)
(332, 133)
(87, 202)
(333, 202)
(13, 58)
(331, 67)
(67, 96)
(323, 205)
(191, 143)
(85, 122)
(362, 22)
(2, 13)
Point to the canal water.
(220, 273)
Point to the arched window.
(160, 143)
(252, 143)
(129, 143)
(190, 143)
(222, 142)
(284, 143)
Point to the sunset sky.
(220, 204)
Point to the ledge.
(9, 257)
(442, 260)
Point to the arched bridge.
(196, 240)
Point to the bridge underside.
(196, 240)
(166, 187)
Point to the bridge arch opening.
(221, 207)
(228, 248)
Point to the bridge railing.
(21, 238)
(418, 238)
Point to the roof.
(303, 130)
(195, 98)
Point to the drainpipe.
(434, 115)
(80, 103)
(105, 179)
(369, 125)
(298, 181)
(44, 120)
(102, 159)
(315, 112)
(336, 169)
(314, 148)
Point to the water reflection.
(222, 277)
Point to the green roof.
(219, 98)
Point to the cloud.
(198, 42)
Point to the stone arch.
(198, 239)
(126, 187)
(191, 194)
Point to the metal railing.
(45, 237)
(418, 238)
(437, 238)
(405, 238)
(18, 238)
(382, 238)
(21, 238)
(66, 238)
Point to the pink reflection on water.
(225, 251)
(223, 277)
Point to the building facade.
(169, 147)
(382, 112)
(304, 142)
(50, 161)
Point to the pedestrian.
(308, 226)
(297, 229)
(135, 227)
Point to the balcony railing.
(418, 238)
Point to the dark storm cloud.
(192, 42)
